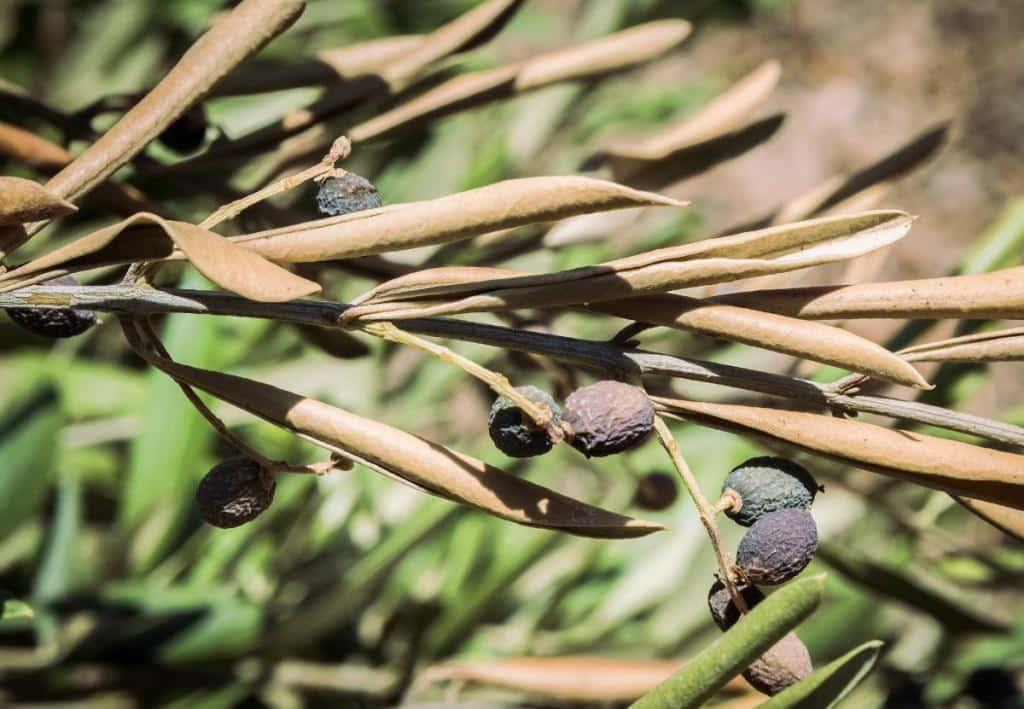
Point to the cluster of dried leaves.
(257, 269)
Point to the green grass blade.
(829, 684)
(764, 626)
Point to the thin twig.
(604, 357)
(705, 510)
(143, 338)
(499, 383)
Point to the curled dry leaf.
(840, 188)
(998, 294)
(24, 201)
(998, 346)
(241, 34)
(148, 236)
(720, 117)
(958, 468)
(26, 148)
(428, 466)
(825, 344)
(391, 72)
(578, 679)
(331, 66)
(451, 218)
(601, 56)
(772, 250)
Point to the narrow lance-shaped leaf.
(148, 236)
(241, 34)
(953, 466)
(999, 294)
(578, 679)
(600, 56)
(840, 188)
(773, 250)
(675, 143)
(394, 72)
(330, 66)
(733, 652)
(428, 466)
(827, 685)
(24, 201)
(997, 346)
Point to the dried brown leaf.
(998, 346)
(578, 679)
(720, 117)
(451, 218)
(615, 52)
(147, 236)
(230, 41)
(959, 468)
(23, 201)
(827, 344)
(424, 464)
(998, 294)
(333, 341)
(772, 250)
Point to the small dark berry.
(786, 663)
(656, 491)
(513, 432)
(187, 132)
(54, 322)
(347, 193)
(723, 609)
(778, 546)
(767, 484)
(608, 417)
(234, 492)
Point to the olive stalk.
(705, 510)
(604, 357)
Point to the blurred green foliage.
(351, 584)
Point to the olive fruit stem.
(705, 510)
(144, 340)
(730, 501)
(325, 168)
(499, 383)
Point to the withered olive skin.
(346, 193)
(778, 546)
(513, 432)
(656, 491)
(234, 492)
(768, 484)
(607, 418)
(54, 322)
(723, 609)
(783, 665)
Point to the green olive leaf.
(827, 685)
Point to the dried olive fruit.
(783, 665)
(54, 322)
(723, 609)
(778, 546)
(234, 492)
(656, 491)
(767, 484)
(346, 193)
(607, 418)
(513, 432)
(187, 132)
